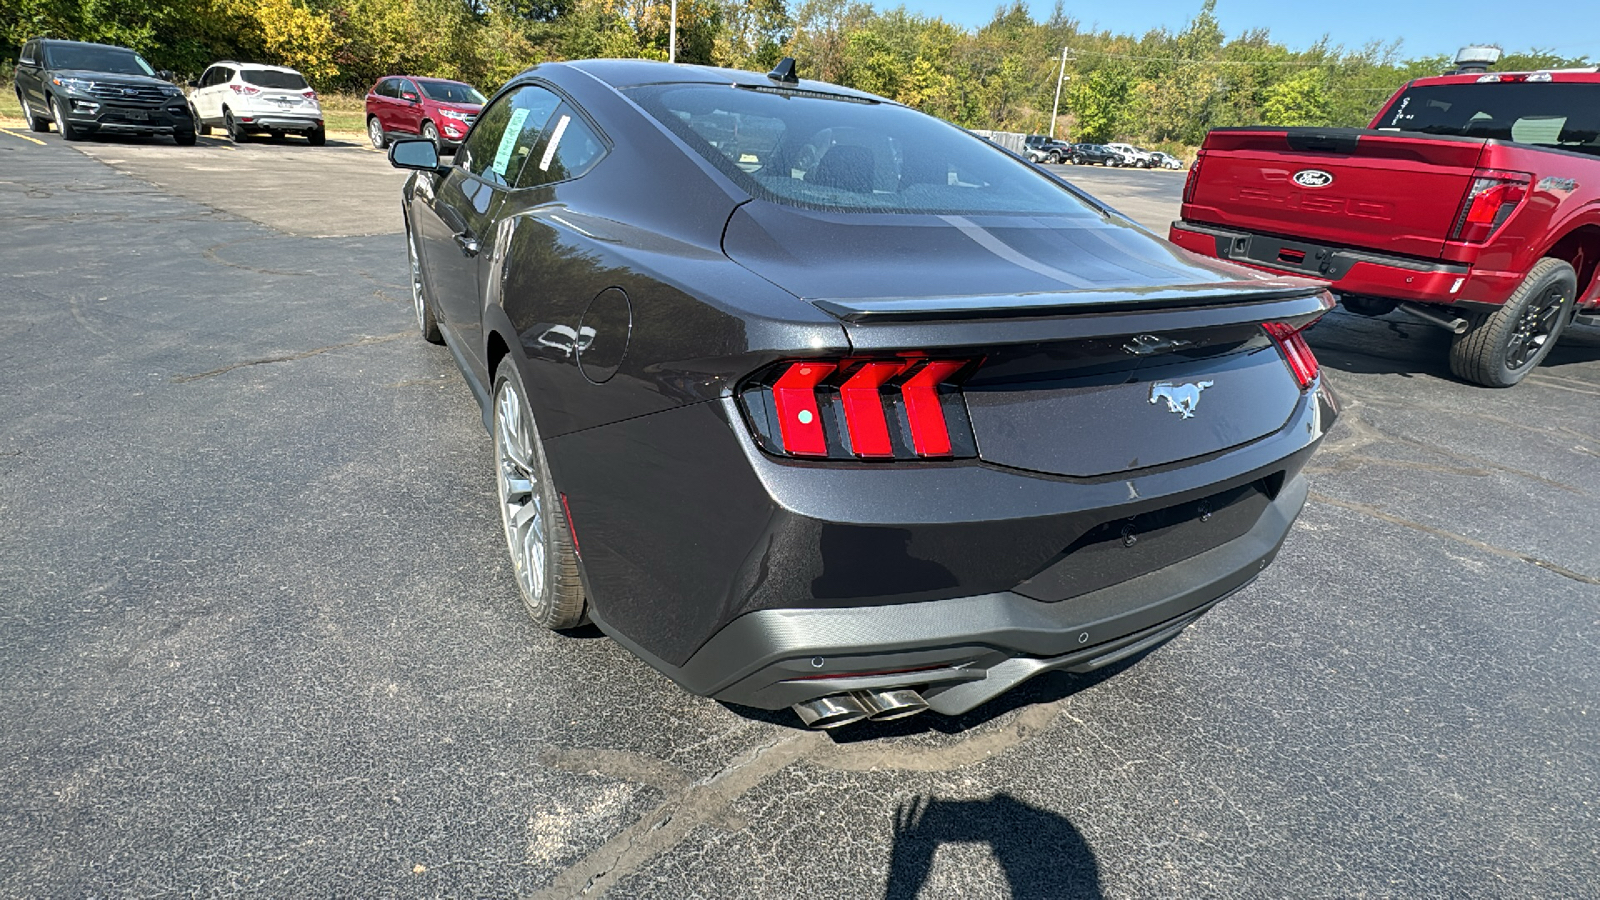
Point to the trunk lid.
(1350, 187)
(1104, 350)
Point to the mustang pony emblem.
(1181, 398)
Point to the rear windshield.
(1565, 116)
(113, 60)
(451, 92)
(825, 153)
(272, 78)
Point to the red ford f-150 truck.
(1472, 201)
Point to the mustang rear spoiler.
(1064, 303)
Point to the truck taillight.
(873, 409)
(1494, 196)
(1291, 342)
(1193, 180)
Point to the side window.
(209, 78)
(27, 57)
(504, 136)
(567, 149)
(408, 87)
(391, 88)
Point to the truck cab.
(1471, 201)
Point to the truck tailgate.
(1350, 187)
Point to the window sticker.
(508, 141)
(555, 141)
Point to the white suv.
(248, 98)
(1133, 156)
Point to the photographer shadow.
(1041, 853)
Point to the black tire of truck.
(1499, 349)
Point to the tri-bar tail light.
(903, 408)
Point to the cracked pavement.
(261, 637)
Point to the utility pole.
(1060, 77)
(672, 39)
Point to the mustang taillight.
(1494, 196)
(1291, 342)
(877, 409)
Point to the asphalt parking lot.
(261, 635)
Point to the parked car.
(1471, 202)
(1167, 160)
(841, 415)
(86, 89)
(434, 109)
(1094, 155)
(1041, 148)
(1133, 156)
(247, 99)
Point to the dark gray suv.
(90, 88)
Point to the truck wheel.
(68, 131)
(1498, 349)
(37, 124)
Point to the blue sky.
(1427, 27)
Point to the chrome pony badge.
(1313, 178)
(1181, 398)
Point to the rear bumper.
(1351, 272)
(964, 651)
(280, 122)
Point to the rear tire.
(1500, 348)
(184, 138)
(542, 557)
(317, 137)
(235, 133)
(375, 133)
(427, 323)
(69, 132)
(36, 124)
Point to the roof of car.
(624, 73)
(260, 67)
(58, 42)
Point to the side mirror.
(164, 74)
(422, 156)
(410, 97)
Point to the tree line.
(1163, 87)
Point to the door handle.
(468, 244)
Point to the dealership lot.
(262, 636)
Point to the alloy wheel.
(1534, 328)
(375, 133)
(521, 494)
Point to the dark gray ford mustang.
(810, 399)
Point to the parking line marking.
(23, 136)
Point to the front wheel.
(1500, 348)
(68, 131)
(184, 138)
(542, 557)
(430, 132)
(200, 125)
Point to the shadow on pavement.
(1042, 853)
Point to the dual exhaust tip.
(835, 710)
